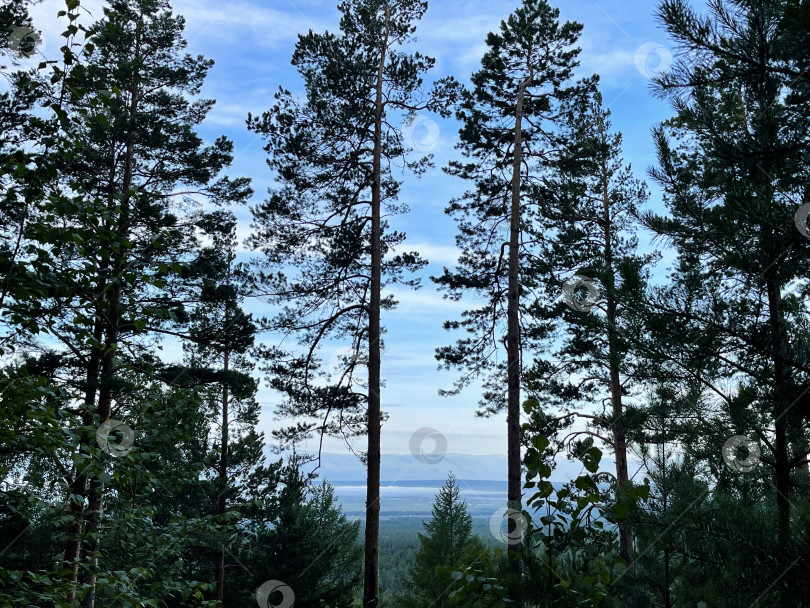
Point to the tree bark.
(782, 466)
(513, 372)
(77, 491)
(219, 566)
(614, 362)
(372, 531)
(95, 502)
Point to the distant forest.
(134, 479)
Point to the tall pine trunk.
(781, 405)
(782, 465)
(95, 502)
(77, 491)
(222, 473)
(513, 359)
(614, 360)
(372, 533)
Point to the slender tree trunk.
(95, 503)
(513, 372)
(668, 603)
(782, 466)
(77, 491)
(219, 567)
(372, 532)
(222, 473)
(614, 363)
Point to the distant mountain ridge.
(344, 468)
(490, 485)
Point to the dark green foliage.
(118, 235)
(98, 243)
(733, 164)
(312, 546)
(531, 46)
(18, 37)
(445, 542)
(697, 543)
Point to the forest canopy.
(646, 325)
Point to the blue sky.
(252, 42)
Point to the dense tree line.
(131, 478)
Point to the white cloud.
(235, 20)
(435, 254)
(231, 114)
(422, 302)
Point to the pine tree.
(133, 161)
(706, 532)
(661, 571)
(218, 358)
(509, 134)
(312, 547)
(590, 252)
(734, 178)
(446, 539)
(322, 230)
